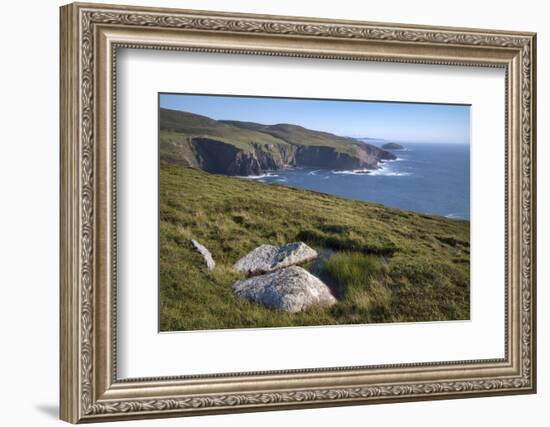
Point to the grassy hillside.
(389, 265)
(179, 128)
(196, 125)
(298, 135)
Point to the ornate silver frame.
(90, 36)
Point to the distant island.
(392, 146)
(247, 148)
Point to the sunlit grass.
(394, 265)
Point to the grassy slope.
(396, 265)
(298, 135)
(195, 125)
(175, 148)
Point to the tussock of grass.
(352, 269)
(394, 265)
(365, 295)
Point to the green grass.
(194, 125)
(393, 265)
(298, 135)
(177, 149)
(353, 269)
(367, 297)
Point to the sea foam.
(262, 176)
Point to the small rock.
(290, 289)
(210, 263)
(266, 258)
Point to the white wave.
(385, 172)
(397, 159)
(262, 176)
(353, 172)
(314, 172)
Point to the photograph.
(294, 212)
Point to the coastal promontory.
(247, 148)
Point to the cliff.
(246, 148)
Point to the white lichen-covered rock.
(291, 289)
(207, 256)
(266, 258)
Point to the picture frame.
(91, 36)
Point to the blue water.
(426, 178)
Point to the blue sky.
(393, 121)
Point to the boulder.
(291, 289)
(208, 259)
(267, 258)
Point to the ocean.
(427, 178)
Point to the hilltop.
(247, 148)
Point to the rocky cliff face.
(218, 157)
(330, 158)
(243, 148)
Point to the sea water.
(431, 178)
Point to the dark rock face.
(325, 157)
(392, 146)
(216, 156)
(367, 157)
